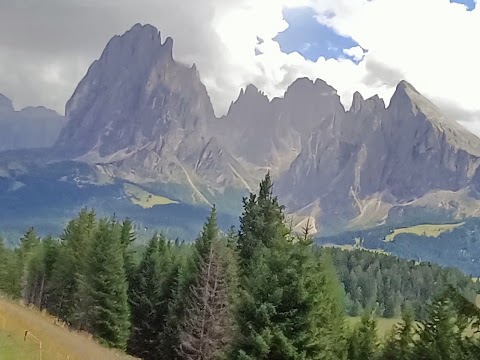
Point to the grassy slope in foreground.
(12, 348)
(57, 342)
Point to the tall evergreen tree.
(284, 310)
(68, 284)
(3, 265)
(363, 342)
(261, 224)
(10, 271)
(109, 313)
(149, 297)
(29, 245)
(208, 235)
(441, 335)
(399, 345)
(127, 238)
(328, 306)
(180, 280)
(34, 283)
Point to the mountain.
(371, 162)
(32, 127)
(270, 135)
(359, 168)
(141, 116)
(142, 131)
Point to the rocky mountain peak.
(251, 96)
(134, 94)
(140, 115)
(377, 101)
(31, 127)
(408, 103)
(404, 92)
(6, 104)
(357, 102)
(365, 106)
(306, 87)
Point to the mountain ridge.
(140, 116)
(30, 127)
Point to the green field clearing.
(385, 326)
(145, 199)
(430, 230)
(356, 247)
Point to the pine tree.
(68, 284)
(180, 280)
(284, 310)
(273, 311)
(328, 307)
(149, 297)
(7, 271)
(50, 257)
(4, 255)
(441, 334)
(363, 342)
(208, 235)
(109, 313)
(34, 281)
(29, 244)
(10, 271)
(261, 224)
(127, 239)
(206, 329)
(399, 344)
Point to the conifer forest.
(253, 293)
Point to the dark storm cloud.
(46, 46)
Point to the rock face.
(270, 135)
(141, 116)
(32, 127)
(377, 159)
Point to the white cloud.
(356, 52)
(430, 43)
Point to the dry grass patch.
(57, 342)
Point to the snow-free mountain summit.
(140, 117)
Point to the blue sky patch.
(311, 39)
(469, 3)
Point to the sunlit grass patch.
(145, 199)
(57, 342)
(429, 230)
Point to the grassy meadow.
(145, 199)
(430, 230)
(385, 326)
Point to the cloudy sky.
(366, 45)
